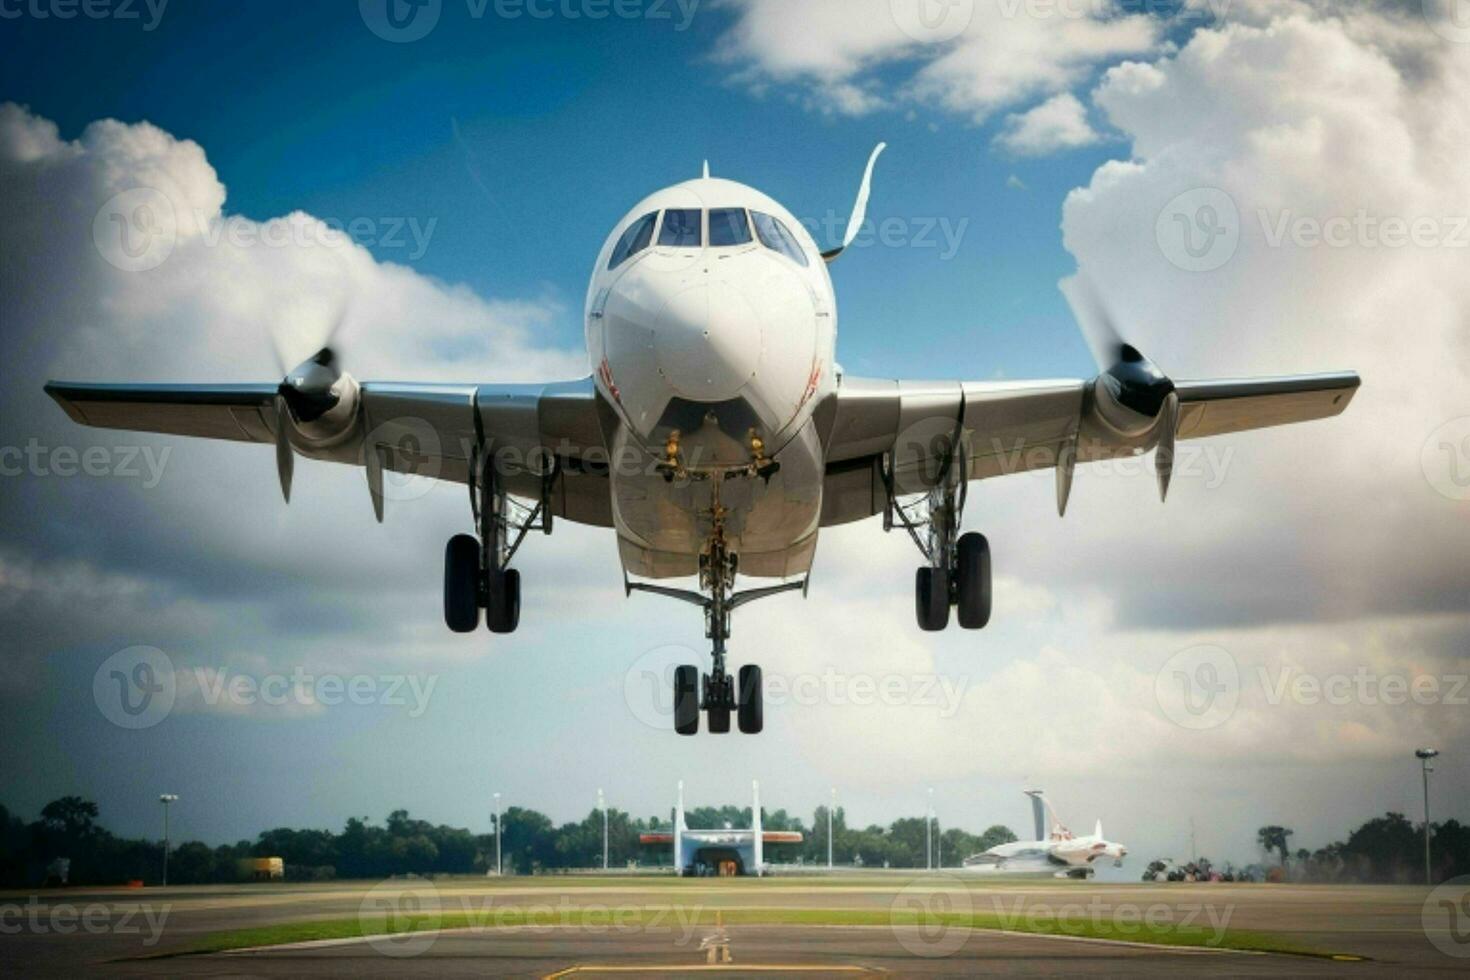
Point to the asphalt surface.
(576, 929)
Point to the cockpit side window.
(775, 236)
(682, 228)
(728, 226)
(634, 240)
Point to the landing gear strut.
(717, 694)
(477, 572)
(958, 571)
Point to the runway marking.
(704, 968)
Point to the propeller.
(307, 393)
(1131, 394)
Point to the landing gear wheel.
(503, 612)
(461, 584)
(972, 581)
(686, 700)
(931, 599)
(750, 705)
(717, 703)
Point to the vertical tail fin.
(760, 838)
(1038, 813)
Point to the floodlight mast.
(1424, 755)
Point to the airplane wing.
(908, 436)
(433, 430)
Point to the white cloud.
(996, 54)
(1059, 123)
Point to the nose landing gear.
(717, 693)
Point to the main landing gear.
(476, 570)
(958, 573)
(717, 693)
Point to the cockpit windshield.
(728, 226)
(681, 228)
(775, 236)
(634, 240)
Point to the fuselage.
(712, 327)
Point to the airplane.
(1058, 854)
(719, 848)
(717, 435)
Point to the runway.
(830, 926)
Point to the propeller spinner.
(1131, 395)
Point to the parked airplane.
(717, 434)
(1057, 854)
(720, 851)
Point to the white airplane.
(1057, 854)
(717, 435)
(719, 848)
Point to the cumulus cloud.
(1059, 123)
(853, 57)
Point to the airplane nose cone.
(708, 341)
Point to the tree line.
(1386, 849)
(532, 843)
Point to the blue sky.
(520, 143)
(572, 123)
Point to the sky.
(1255, 187)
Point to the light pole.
(830, 807)
(603, 807)
(497, 835)
(1424, 755)
(166, 799)
(929, 834)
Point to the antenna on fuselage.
(706, 170)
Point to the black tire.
(504, 612)
(751, 704)
(931, 599)
(462, 584)
(686, 700)
(972, 581)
